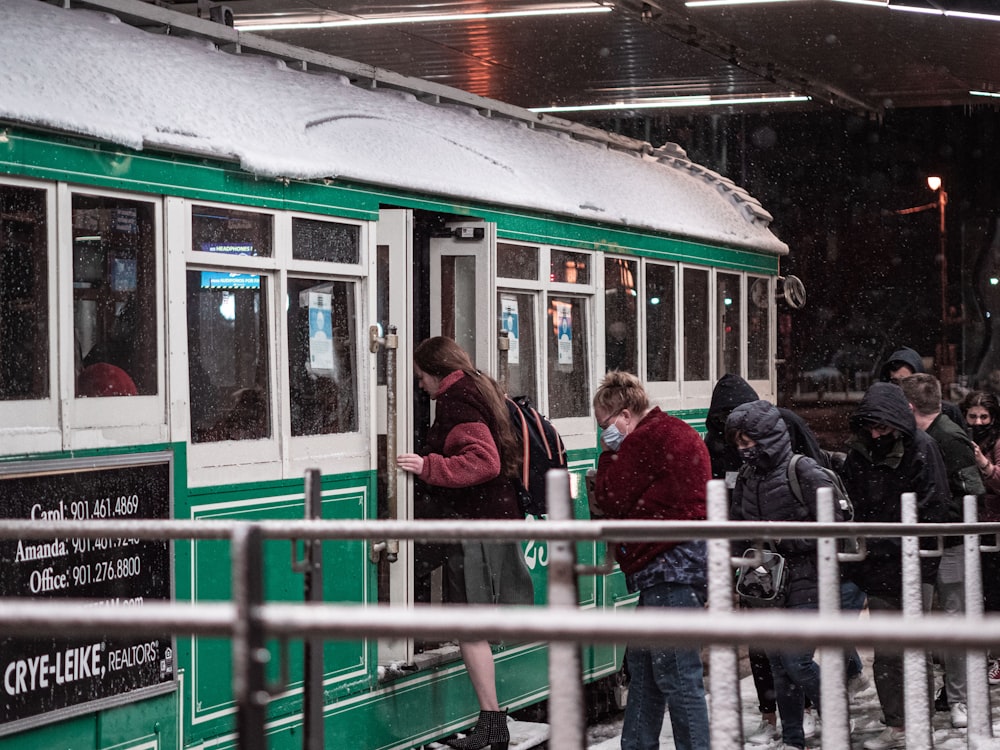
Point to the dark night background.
(831, 181)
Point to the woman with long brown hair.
(466, 469)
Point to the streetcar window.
(568, 352)
(24, 322)
(569, 267)
(227, 356)
(322, 356)
(728, 305)
(661, 322)
(326, 241)
(696, 346)
(228, 231)
(517, 261)
(621, 315)
(114, 296)
(517, 317)
(758, 337)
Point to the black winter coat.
(762, 493)
(876, 478)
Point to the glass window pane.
(24, 298)
(231, 232)
(570, 268)
(459, 303)
(758, 340)
(326, 241)
(517, 261)
(114, 296)
(695, 324)
(517, 317)
(728, 313)
(661, 328)
(227, 356)
(568, 352)
(621, 315)
(322, 357)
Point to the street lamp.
(945, 365)
(934, 183)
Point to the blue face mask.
(612, 437)
(750, 455)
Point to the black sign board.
(45, 679)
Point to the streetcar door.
(395, 273)
(463, 290)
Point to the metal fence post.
(566, 716)
(312, 655)
(249, 652)
(980, 728)
(833, 698)
(723, 661)
(915, 675)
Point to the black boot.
(490, 731)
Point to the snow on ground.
(865, 713)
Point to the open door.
(449, 290)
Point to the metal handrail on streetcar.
(248, 621)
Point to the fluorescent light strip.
(710, 3)
(389, 20)
(985, 93)
(676, 101)
(947, 13)
(870, 3)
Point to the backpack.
(542, 449)
(840, 497)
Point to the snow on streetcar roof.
(86, 72)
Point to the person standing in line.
(731, 391)
(467, 469)
(923, 391)
(887, 456)
(982, 414)
(655, 466)
(762, 493)
(905, 362)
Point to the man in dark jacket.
(888, 456)
(923, 391)
(905, 362)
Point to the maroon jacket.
(461, 475)
(660, 472)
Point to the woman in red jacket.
(466, 470)
(655, 466)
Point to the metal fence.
(249, 621)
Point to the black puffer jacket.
(732, 391)
(762, 492)
(876, 477)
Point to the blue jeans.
(666, 678)
(796, 676)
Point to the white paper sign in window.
(564, 332)
(320, 332)
(511, 324)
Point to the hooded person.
(732, 391)
(905, 362)
(887, 456)
(763, 493)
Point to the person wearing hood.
(762, 493)
(887, 456)
(905, 362)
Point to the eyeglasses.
(609, 420)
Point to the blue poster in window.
(510, 323)
(564, 333)
(320, 332)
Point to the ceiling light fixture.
(975, 10)
(710, 3)
(677, 101)
(993, 94)
(313, 21)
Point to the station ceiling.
(634, 57)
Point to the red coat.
(660, 472)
